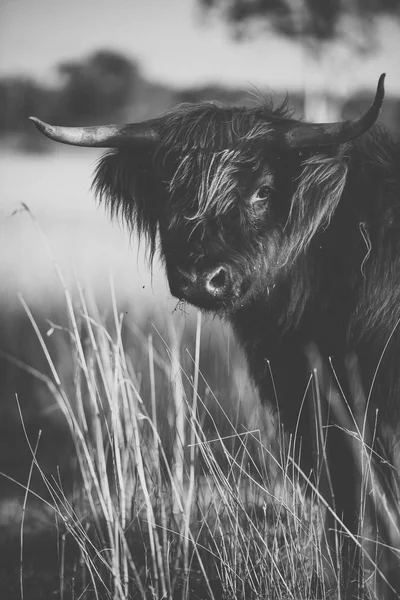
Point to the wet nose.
(210, 283)
(216, 282)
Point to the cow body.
(292, 234)
(343, 294)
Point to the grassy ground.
(165, 488)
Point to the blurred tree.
(317, 20)
(102, 85)
(317, 24)
(19, 98)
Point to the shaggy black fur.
(316, 260)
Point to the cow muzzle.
(206, 288)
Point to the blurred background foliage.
(307, 19)
(107, 86)
(331, 34)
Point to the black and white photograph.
(199, 299)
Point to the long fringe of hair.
(209, 147)
(208, 142)
(318, 191)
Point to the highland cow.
(288, 230)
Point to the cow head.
(231, 195)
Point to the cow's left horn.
(103, 136)
(325, 134)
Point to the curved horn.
(324, 134)
(103, 136)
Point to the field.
(136, 459)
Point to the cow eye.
(262, 193)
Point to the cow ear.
(316, 195)
(124, 181)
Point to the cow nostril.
(217, 281)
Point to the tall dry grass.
(200, 508)
(174, 512)
(175, 493)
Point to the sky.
(174, 44)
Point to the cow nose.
(192, 284)
(217, 281)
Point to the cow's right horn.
(102, 136)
